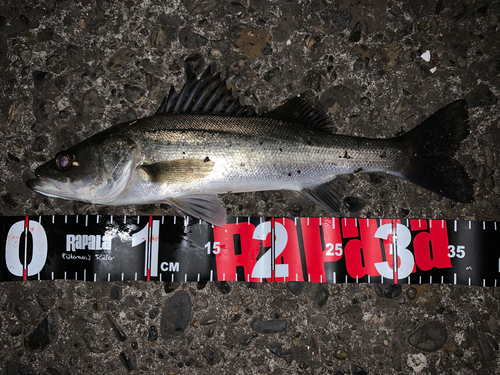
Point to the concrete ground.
(71, 68)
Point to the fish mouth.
(45, 185)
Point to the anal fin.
(328, 195)
(206, 207)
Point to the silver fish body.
(187, 157)
(248, 154)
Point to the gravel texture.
(70, 68)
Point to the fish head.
(96, 170)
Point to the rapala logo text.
(87, 242)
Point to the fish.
(202, 142)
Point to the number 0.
(39, 257)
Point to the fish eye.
(64, 160)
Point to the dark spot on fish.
(280, 149)
(260, 143)
(298, 171)
(289, 174)
(358, 170)
(346, 155)
(242, 164)
(383, 155)
(207, 159)
(309, 143)
(183, 153)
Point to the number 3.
(403, 239)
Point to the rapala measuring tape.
(333, 250)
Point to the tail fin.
(433, 144)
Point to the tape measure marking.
(255, 249)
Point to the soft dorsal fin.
(209, 95)
(304, 109)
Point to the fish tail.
(432, 146)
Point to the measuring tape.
(332, 250)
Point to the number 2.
(262, 268)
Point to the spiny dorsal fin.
(304, 109)
(209, 95)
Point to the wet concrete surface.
(72, 68)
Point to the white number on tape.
(405, 256)
(262, 268)
(39, 251)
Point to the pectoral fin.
(201, 206)
(328, 195)
(180, 171)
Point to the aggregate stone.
(74, 55)
(18, 368)
(388, 290)
(354, 204)
(116, 292)
(278, 350)
(176, 314)
(92, 104)
(485, 347)
(211, 355)
(133, 93)
(481, 96)
(46, 298)
(116, 328)
(128, 360)
(340, 354)
(355, 35)
(376, 179)
(194, 64)
(120, 59)
(39, 78)
(153, 333)
(358, 370)
(337, 98)
(43, 335)
(189, 39)
(154, 312)
(40, 143)
(17, 330)
(365, 102)
(269, 326)
(273, 76)
(57, 63)
(296, 287)
(321, 295)
(42, 110)
(171, 286)
(245, 339)
(429, 336)
(61, 82)
(208, 319)
(411, 292)
(237, 7)
(222, 286)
